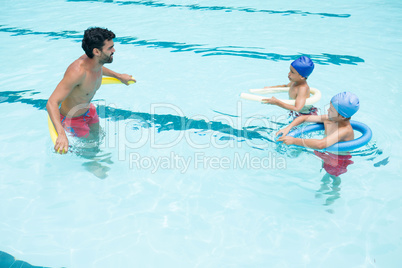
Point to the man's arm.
(72, 78)
(124, 78)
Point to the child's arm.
(329, 140)
(299, 102)
(286, 85)
(301, 119)
(316, 118)
(296, 122)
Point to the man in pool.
(77, 88)
(299, 90)
(336, 123)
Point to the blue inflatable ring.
(340, 146)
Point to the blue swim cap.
(345, 103)
(304, 66)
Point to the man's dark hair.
(95, 37)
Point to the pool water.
(186, 174)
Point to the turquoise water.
(186, 174)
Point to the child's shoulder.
(300, 90)
(346, 126)
(346, 131)
(300, 87)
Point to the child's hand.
(272, 100)
(287, 140)
(283, 132)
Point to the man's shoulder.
(75, 73)
(77, 68)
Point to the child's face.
(333, 114)
(293, 75)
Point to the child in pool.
(299, 90)
(337, 128)
(336, 123)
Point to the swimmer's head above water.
(95, 37)
(303, 65)
(346, 104)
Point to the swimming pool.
(187, 174)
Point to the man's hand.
(125, 78)
(272, 100)
(61, 145)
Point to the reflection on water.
(89, 148)
(330, 190)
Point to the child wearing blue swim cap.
(336, 123)
(300, 70)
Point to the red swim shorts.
(79, 126)
(335, 164)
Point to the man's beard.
(107, 59)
